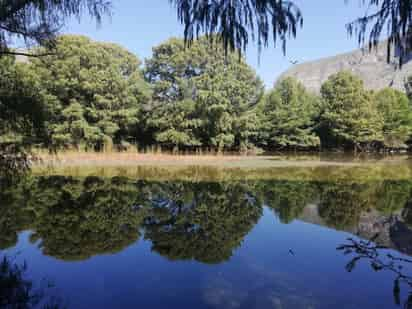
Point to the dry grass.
(164, 166)
(126, 158)
(198, 173)
(134, 158)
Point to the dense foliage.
(96, 96)
(349, 116)
(96, 91)
(288, 116)
(201, 97)
(22, 114)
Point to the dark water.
(116, 242)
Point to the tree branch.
(6, 52)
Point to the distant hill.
(371, 67)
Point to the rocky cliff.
(371, 67)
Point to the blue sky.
(140, 25)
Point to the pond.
(199, 237)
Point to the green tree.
(288, 116)
(176, 124)
(223, 89)
(23, 114)
(349, 116)
(395, 109)
(98, 91)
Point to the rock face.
(371, 67)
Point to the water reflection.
(76, 218)
(17, 291)
(200, 221)
(380, 259)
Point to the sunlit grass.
(222, 173)
(223, 166)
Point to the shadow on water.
(76, 218)
(380, 259)
(19, 292)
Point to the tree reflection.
(18, 292)
(73, 218)
(380, 259)
(77, 218)
(341, 204)
(201, 221)
(14, 217)
(392, 196)
(288, 198)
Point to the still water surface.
(110, 241)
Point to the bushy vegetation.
(201, 96)
(98, 96)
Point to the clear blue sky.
(140, 25)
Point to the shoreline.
(125, 159)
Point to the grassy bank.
(322, 167)
(130, 158)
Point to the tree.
(235, 22)
(288, 114)
(23, 114)
(395, 109)
(97, 89)
(393, 15)
(216, 92)
(349, 116)
(39, 21)
(176, 124)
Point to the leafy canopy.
(202, 97)
(395, 109)
(97, 90)
(349, 115)
(288, 116)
